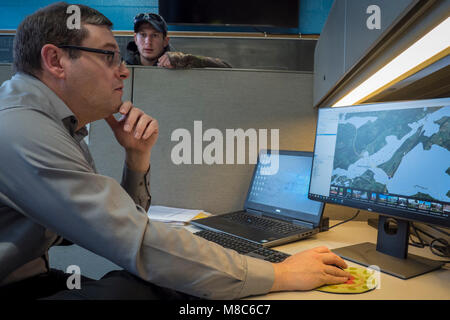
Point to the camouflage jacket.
(185, 61)
(178, 59)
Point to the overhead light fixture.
(432, 47)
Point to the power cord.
(345, 221)
(438, 246)
(439, 230)
(440, 250)
(413, 243)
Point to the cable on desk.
(439, 230)
(440, 250)
(345, 221)
(413, 243)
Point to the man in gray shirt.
(49, 188)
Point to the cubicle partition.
(213, 99)
(5, 72)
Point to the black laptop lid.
(280, 184)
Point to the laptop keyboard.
(243, 246)
(266, 224)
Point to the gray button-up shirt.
(49, 190)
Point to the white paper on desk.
(169, 214)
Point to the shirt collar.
(54, 106)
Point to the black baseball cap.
(155, 20)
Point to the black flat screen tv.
(231, 13)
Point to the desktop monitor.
(391, 158)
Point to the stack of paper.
(174, 215)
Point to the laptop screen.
(283, 190)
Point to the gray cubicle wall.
(253, 53)
(241, 52)
(221, 99)
(346, 38)
(5, 72)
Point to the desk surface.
(433, 286)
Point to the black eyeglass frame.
(108, 52)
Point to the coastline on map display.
(403, 154)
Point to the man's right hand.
(308, 270)
(164, 61)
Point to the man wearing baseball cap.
(151, 47)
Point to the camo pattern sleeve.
(186, 61)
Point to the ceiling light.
(430, 48)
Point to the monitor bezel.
(398, 213)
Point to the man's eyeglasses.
(114, 57)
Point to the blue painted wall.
(120, 12)
(313, 13)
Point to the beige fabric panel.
(5, 72)
(220, 99)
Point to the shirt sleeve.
(45, 174)
(185, 61)
(137, 185)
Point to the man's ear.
(166, 41)
(52, 59)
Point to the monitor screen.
(286, 191)
(290, 184)
(231, 12)
(392, 158)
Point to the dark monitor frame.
(227, 27)
(390, 253)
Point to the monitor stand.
(390, 254)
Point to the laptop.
(277, 209)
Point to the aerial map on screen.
(403, 151)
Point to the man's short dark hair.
(49, 25)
